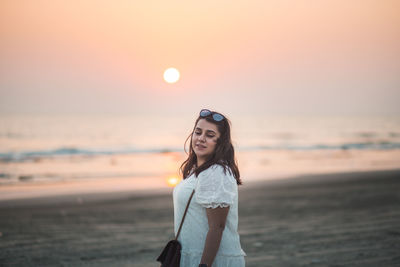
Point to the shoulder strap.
(183, 218)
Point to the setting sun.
(171, 75)
(172, 181)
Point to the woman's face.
(204, 139)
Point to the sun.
(171, 75)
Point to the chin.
(201, 155)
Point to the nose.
(202, 138)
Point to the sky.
(249, 57)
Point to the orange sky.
(262, 56)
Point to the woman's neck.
(200, 162)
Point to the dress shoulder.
(216, 187)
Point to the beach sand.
(348, 219)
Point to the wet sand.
(349, 219)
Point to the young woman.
(209, 234)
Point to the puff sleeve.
(215, 188)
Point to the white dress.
(214, 189)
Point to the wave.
(356, 146)
(65, 151)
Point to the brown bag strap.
(183, 218)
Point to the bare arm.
(216, 225)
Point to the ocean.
(48, 148)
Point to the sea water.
(47, 148)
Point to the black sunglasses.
(215, 115)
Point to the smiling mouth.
(200, 146)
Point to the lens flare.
(172, 181)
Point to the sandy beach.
(347, 219)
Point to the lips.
(200, 146)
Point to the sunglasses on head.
(215, 115)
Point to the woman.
(209, 234)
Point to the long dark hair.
(224, 153)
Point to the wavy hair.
(224, 153)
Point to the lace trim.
(215, 205)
